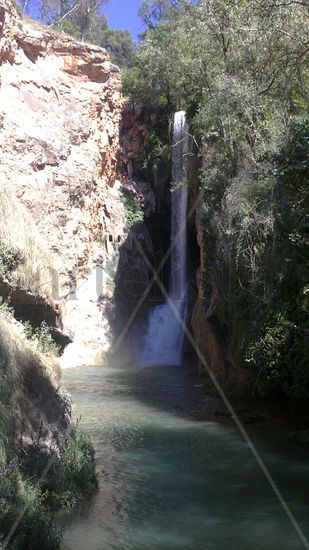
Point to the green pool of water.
(168, 481)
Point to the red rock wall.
(60, 106)
(60, 111)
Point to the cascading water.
(163, 341)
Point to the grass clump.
(44, 464)
(21, 501)
(40, 483)
(41, 339)
(9, 259)
(71, 474)
(6, 311)
(38, 338)
(24, 258)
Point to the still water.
(168, 481)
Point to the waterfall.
(164, 337)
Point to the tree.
(118, 43)
(84, 20)
(85, 15)
(78, 16)
(240, 69)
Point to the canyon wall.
(212, 336)
(60, 111)
(66, 138)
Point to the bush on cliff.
(240, 69)
(44, 464)
(132, 210)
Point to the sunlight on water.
(168, 481)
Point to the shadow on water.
(168, 481)
(173, 389)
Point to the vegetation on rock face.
(41, 339)
(240, 69)
(24, 258)
(33, 486)
(133, 211)
(9, 259)
(44, 464)
(83, 20)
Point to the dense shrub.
(21, 504)
(72, 476)
(40, 477)
(40, 482)
(41, 339)
(240, 71)
(133, 212)
(9, 259)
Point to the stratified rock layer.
(60, 109)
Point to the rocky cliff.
(211, 335)
(60, 110)
(65, 135)
(62, 223)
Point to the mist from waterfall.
(163, 341)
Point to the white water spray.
(163, 341)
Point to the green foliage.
(6, 311)
(7, 386)
(9, 259)
(71, 474)
(68, 15)
(119, 45)
(36, 480)
(41, 339)
(21, 502)
(240, 69)
(261, 234)
(68, 27)
(274, 355)
(85, 21)
(74, 475)
(38, 484)
(155, 150)
(16, 6)
(266, 352)
(133, 211)
(282, 342)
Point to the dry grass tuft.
(24, 258)
(29, 382)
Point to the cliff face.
(65, 131)
(211, 335)
(60, 109)
(32, 405)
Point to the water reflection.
(168, 481)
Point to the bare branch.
(71, 10)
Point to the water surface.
(168, 481)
